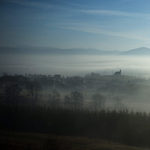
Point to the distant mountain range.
(73, 51)
(52, 50)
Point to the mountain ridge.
(53, 50)
(72, 51)
(138, 51)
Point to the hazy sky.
(101, 24)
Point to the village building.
(117, 73)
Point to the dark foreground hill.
(37, 141)
(122, 126)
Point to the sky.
(100, 24)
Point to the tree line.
(13, 95)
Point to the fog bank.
(74, 64)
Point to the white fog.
(69, 65)
(81, 65)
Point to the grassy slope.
(32, 141)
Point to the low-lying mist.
(70, 65)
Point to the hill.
(138, 51)
(21, 140)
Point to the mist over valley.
(134, 70)
(39, 60)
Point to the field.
(31, 141)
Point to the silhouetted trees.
(68, 101)
(75, 98)
(45, 85)
(12, 94)
(54, 98)
(34, 88)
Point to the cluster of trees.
(75, 98)
(13, 95)
(125, 127)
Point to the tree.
(67, 100)
(98, 101)
(54, 98)
(44, 82)
(34, 88)
(77, 99)
(12, 94)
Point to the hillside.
(138, 51)
(22, 141)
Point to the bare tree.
(67, 100)
(77, 99)
(54, 98)
(34, 88)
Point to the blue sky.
(101, 24)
